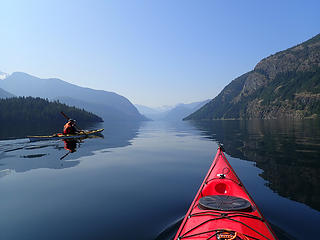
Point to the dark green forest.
(29, 110)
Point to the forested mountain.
(108, 105)
(284, 85)
(5, 94)
(29, 110)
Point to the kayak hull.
(83, 134)
(223, 209)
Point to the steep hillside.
(284, 85)
(110, 105)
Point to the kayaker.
(70, 127)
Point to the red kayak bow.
(223, 209)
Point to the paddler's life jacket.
(69, 129)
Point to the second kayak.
(82, 134)
(223, 209)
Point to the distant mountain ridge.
(182, 110)
(174, 113)
(147, 111)
(108, 105)
(283, 85)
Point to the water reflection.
(71, 146)
(138, 171)
(287, 151)
(20, 155)
(7, 131)
(23, 157)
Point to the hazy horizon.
(153, 53)
(162, 107)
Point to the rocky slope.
(283, 85)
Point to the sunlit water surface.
(138, 181)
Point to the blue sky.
(152, 52)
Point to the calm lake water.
(138, 181)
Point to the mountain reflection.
(287, 151)
(20, 155)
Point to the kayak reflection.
(71, 146)
(14, 153)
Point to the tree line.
(29, 110)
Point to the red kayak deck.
(223, 209)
